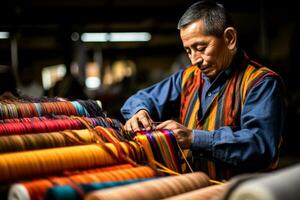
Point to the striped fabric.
(225, 108)
(153, 189)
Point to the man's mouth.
(204, 67)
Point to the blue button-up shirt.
(262, 119)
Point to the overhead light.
(94, 37)
(116, 37)
(92, 82)
(4, 35)
(130, 37)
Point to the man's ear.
(230, 38)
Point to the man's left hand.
(183, 135)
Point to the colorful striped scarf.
(225, 108)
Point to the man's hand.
(183, 135)
(141, 119)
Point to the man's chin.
(211, 76)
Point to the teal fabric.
(67, 192)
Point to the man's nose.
(196, 58)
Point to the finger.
(162, 125)
(165, 125)
(127, 126)
(135, 124)
(141, 114)
(146, 123)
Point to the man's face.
(208, 52)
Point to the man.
(231, 108)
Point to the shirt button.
(209, 94)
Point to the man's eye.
(200, 48)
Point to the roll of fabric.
(160, 146)
(16, 109)
(22, 142)
(19, 192)
(15, 143)
(36, 189)
(277, 185)
(208, 193)
(15, 126)
(154, 189)
(68, 192)
(29, 164)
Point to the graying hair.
(216, 19)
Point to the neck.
(231, 56)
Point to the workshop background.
(45, 49)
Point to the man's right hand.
(139, 120)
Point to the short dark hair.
(216, 19)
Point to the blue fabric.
(67, 192)
(254, 145)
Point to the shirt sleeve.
(255, 145)
(156, 99)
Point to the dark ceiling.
(82, 12)
(44, 27)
